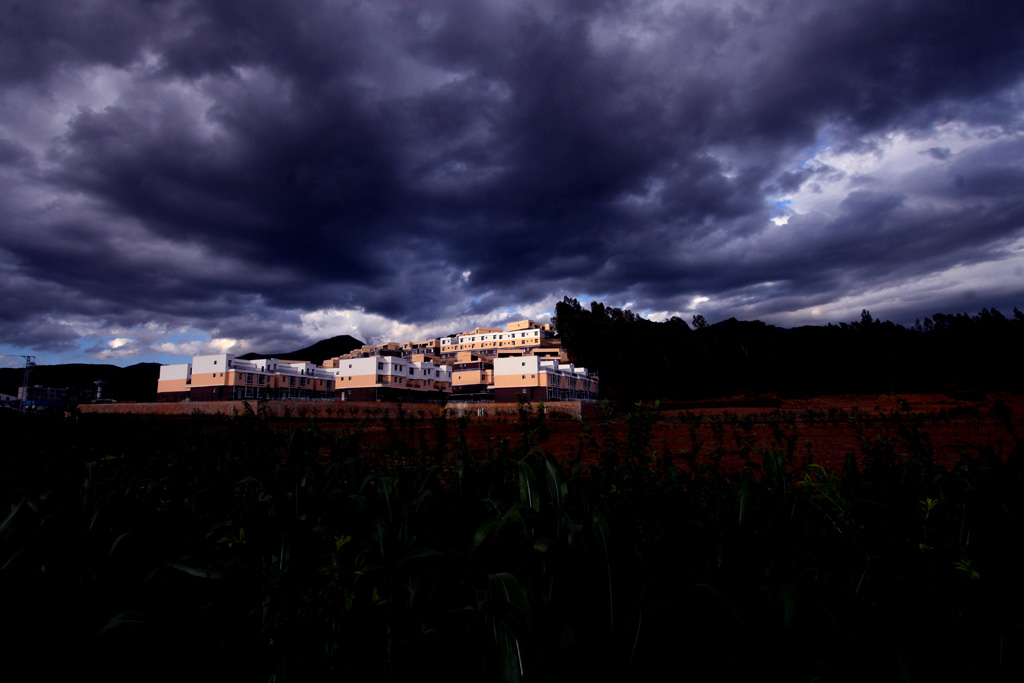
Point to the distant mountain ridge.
(315, 353)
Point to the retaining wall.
(339, 410)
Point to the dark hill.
(316, 353)
(133, 383)
(138, 382)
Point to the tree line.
(639, 359)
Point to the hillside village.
(487, 364)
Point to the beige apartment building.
(223, 377)
(487, 364)
(381, 378)
(541, 379)
(521, 336)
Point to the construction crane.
(30, 362)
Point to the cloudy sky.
(181, 176)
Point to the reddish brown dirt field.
(820, 429)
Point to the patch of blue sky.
(781, 207)
(12, 356)
(187, 334)
(585, 299)
(808, 156)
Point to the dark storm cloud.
(225, 166)
(11, 153)
(939, 153)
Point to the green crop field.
(156, 548)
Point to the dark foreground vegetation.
(145, 548)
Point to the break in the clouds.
(182, 176)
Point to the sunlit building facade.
(487, 364)
(541, 379)
(383, 378)
(223, 377)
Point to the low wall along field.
(337, 410)
(821, 429)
